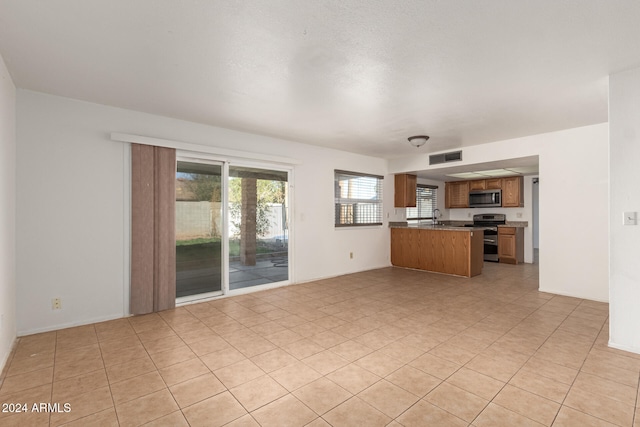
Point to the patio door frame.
(205, 158)
(289, 216)
(191, 157)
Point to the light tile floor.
(383, 347)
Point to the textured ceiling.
(359, 75)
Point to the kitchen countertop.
(508, 223)
(452, 225)
(435, 227)
(515, 224)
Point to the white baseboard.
(26, 332)
(630, 349)
(5, 357)
(565, 294)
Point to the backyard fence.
(203, 220)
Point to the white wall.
(72, 206)
(624, 157)
(573, 170)
(7, 213)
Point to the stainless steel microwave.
(485, 198)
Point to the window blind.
(358, 199)
(426, 202)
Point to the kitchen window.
(426, 203)
(358, 199)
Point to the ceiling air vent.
(453, 156)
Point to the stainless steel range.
(490, 222)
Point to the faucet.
(436, 214)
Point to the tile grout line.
(580, 370)
(528, 359)
(53, 374)
(357, 296)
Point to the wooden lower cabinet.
(443, 251)
(404, 247)
(511, 245)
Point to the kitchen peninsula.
(438, 248)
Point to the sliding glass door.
(232, 227)
(258, 205)
(199, 229)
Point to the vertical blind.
(153, 242)
(358, 199)
(426, 202)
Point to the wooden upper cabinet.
(456, 194)
(485, 184)
(405, 191)
(478, 184)
(512, 192)
(494, 183)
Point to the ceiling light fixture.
(418, 140)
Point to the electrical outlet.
(519, 215)
(630, 218)
(56, 304)
(350, 255)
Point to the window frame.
(418, 207)
(354, 202)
